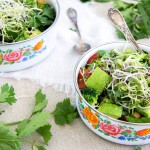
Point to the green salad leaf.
(137, 120)
(44, 19)
(28, 20)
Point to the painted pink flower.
(13, 56)
(110, 128)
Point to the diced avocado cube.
(98, 80)
(144, 112)
(111, 110)
(31, 34)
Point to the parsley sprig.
(38, 122)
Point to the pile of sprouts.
(14, 18)
(130, 72)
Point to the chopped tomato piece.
(81, 82)
(92, 58)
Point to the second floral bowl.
(24, 54)
(106, 127)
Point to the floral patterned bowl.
(24, 54)
(106, 127)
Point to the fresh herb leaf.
(144, 17)
(47, 12)
(138, 148)
(29, 126)
(7, 94)
(64, 113)
(21, 125)
(41, 102)
(45, 133)
(137, 16)
(44, 19)
(40, 148)
(8, 138)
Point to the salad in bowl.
(28, 31)
(24, 19)
(113, 92)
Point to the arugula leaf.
(41, 102)
(43, 20)
(40, 148)
(45, 133)
(101, 53)
(64, 113)
(7, 94)
(27, 127)
(8, 139)
(47, 12)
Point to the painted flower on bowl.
(110, 128)
(13, 56)
(38, 46)
(1, 58)
(92, 118)
(143, 132)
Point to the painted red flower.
(27, 50)
(127, 130)
(110, 128)
(13, 56)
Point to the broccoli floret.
(90, 95)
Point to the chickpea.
(136, 115)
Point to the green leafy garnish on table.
(7, 94)
(64, 113)
(28, 126)
(41, 102)
(138, 148)
(8, 139)
(38, 122)
(136, 14)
